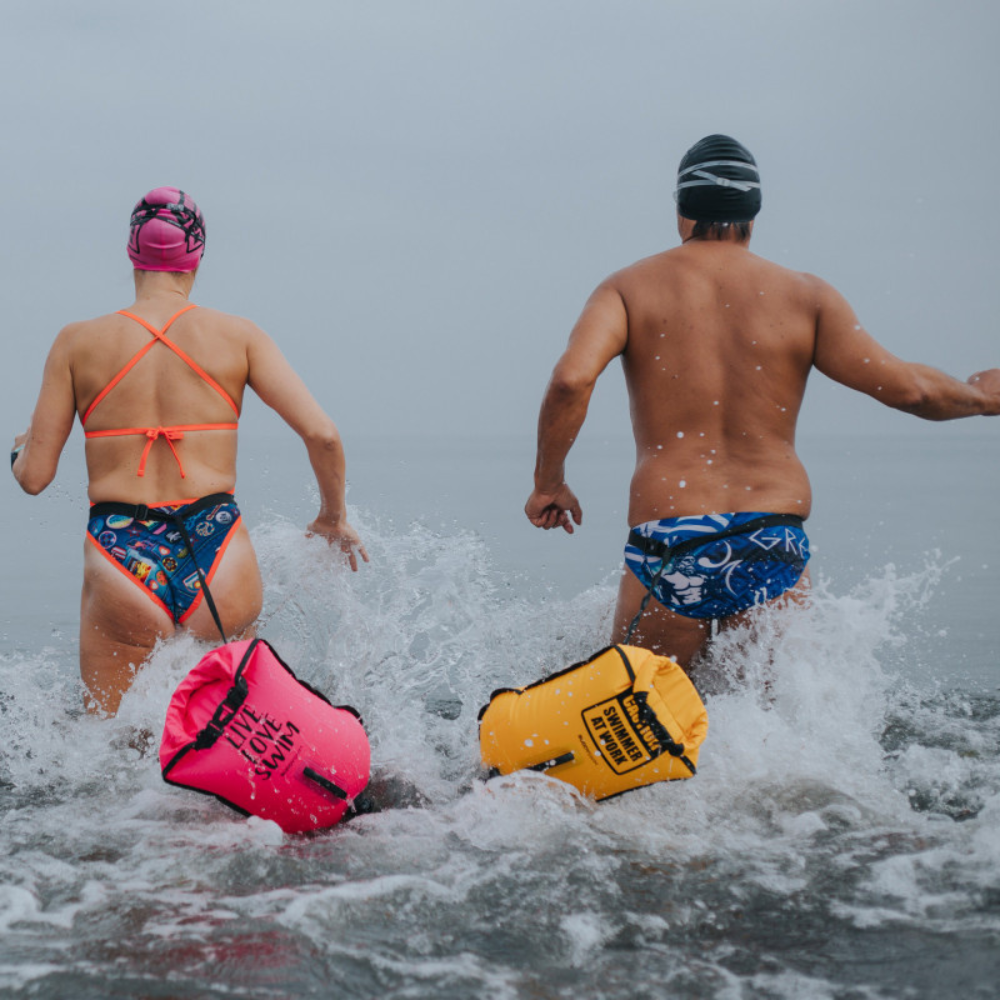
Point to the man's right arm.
(600, 334)
(848, 354)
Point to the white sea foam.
(801, 796)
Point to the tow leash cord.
(646, 598)
(179, 524)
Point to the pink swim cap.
(167, 232)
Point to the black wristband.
(14, 453)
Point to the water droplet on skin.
(758, 367)
(682, 483)
(659, 447)
(867, 360)
(715, 402)
(680, 434)
(857, 326)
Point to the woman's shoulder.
(237, 326)
(83, 331)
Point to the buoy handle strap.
(326, 784)
(565, 758)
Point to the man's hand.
(988, 382)
(15, 451)
(552, 509)
(342, 534)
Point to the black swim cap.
(718, 181)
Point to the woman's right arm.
(51, 423)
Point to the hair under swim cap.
(718, 181)
(167, 232)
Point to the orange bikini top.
(169, 434)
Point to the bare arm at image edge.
(846, 353)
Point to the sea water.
(841, 839)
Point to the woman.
(159, 388)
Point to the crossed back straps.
(169, 434)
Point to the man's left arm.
(848, 354)
(600, 334)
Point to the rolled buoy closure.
(620, 720)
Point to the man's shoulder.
(807, 283)
(639, 274)
(676, 264)
(652, 262)
(792, 278)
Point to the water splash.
(825, 808)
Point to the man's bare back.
(717, 345)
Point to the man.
(159, 390)
(716, 344)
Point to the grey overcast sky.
(415, 198)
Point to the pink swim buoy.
(242, 727)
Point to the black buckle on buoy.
(233, 701)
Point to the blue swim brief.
(717, 565)
(147, 545)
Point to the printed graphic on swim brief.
(155, 553)
(721, 576)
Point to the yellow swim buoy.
(620, 720)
